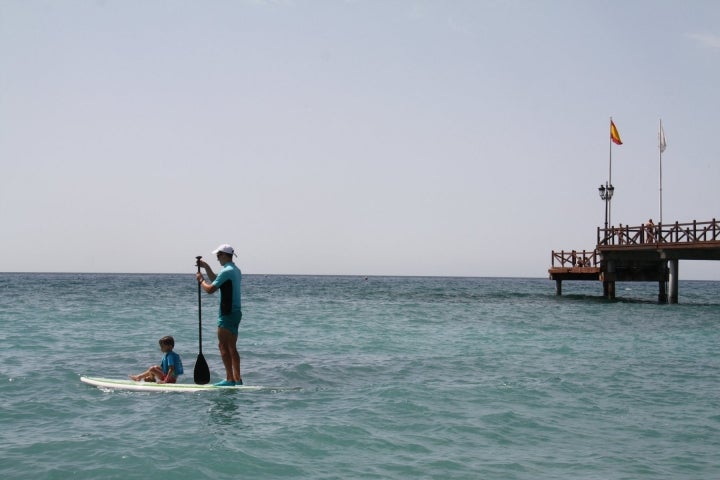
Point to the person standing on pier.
(650, 231)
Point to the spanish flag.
(614, 135)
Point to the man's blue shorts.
(230, 322)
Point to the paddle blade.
(201, 374)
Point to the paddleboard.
(118, 384)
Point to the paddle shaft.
(199, 311)
(201, 374)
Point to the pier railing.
(575, 259)
(649, 233)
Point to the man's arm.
(207, 286)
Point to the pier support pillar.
(609, 290)
(674, 272)
(609, 281)
(662, 284)
(558, 287)
(662, 293)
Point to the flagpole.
(609, 205)
(661, 141)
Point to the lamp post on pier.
(606, 193)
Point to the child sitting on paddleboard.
(170, 365)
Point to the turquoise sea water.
(465, 378)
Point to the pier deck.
(639, 254)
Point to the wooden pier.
(646, 253)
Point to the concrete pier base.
(662, 293)
(674, 280)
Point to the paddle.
(201, 375)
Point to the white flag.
(661, 138)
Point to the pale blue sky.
(348, 137)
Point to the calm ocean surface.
(401, 378)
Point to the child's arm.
(170, 374)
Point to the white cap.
(224, 248)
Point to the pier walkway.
(642, 253)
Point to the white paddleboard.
(118, 384)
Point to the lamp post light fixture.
(606, 193)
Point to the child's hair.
(168, 340)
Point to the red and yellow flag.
(614, 135)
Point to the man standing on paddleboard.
(228, 282)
